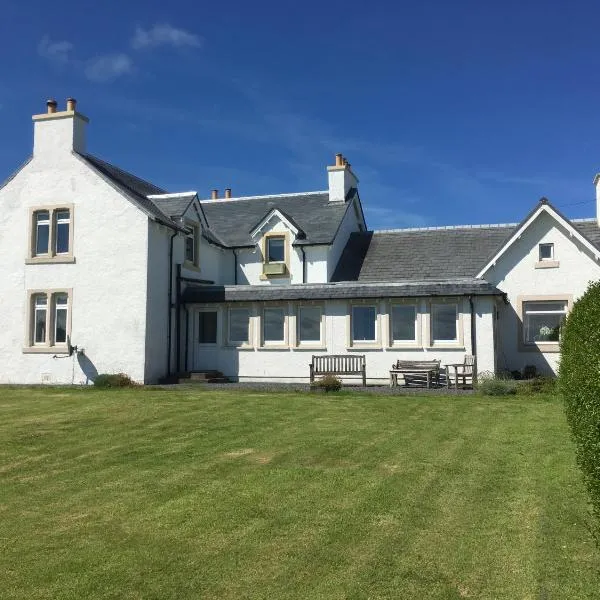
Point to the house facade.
(105, 272)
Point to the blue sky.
(450, 112)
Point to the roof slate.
(313, 214)
(343, 291)
(174, 206)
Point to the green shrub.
(327, 383)
(537, 385)
(113, 380)
(497, 386)
(579, 385)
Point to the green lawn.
(203, 494)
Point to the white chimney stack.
(57, 132)
(341, 179)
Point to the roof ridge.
(446, 228)
(238, 198)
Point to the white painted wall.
(291, 364)
(108, 278)
(516, 275)
(349, 224)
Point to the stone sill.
(45, 350)
(547, 264)
(47, 260)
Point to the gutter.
(303, 264)
(178, 318)
(473, 328)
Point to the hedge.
(579, 385)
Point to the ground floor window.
(403, 322)
(542, 320)
(273, 325)
(49, 322)
(239, 326)
(309, 324)
(444, 319)
(207, 327)
(364, 319)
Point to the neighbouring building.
(152, 283)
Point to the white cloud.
(108, 67)
(164, 35)
(59, 52)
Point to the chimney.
(227, 192)
(214, 194)
(56, 132)
(341, 179)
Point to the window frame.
(194, 234)
(197, 326)
(416, 342)
(352, 343)
(320, 343)
(249, 343)
(281, 267)
(286, 316)
(545, 245)
(49, 344)
(51, 256)
(458, 342)
(539, 346)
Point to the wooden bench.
(430, 369)
(339, 364)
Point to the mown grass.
(160, 494)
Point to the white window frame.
(38, 307)
(238, 343)
(546, 245)
(51, 256)
(268, 239)
(37, 222)
(207, 310)
(416, 342)
(56, 308)
(194, 235)
(320, 343)
(352, 343)
(275, 343)
(49, 344)
(458, 342)
(540, 346)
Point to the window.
(546, 252)
(274, 325)
(542, 321)
(40, 318)
(275, 249)
(42, 232)
(239, 326)
(404, 322)
(207, 327)
(49, 321)
(444, 322)
(51, 235)
(363, 324)
(191, 246)
(309, 324)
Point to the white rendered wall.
(108, 278)
(516, 275)
(290, 364)
(347, 226)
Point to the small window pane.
(275, 249)
(60, 320)
(274, 325)
(403, 323)
(546, 251)
(62, 238)
(443, 317)
(309, 324)
(239, 325)
(42, 231)
(363, 323)
(40, 318)
(207, 333)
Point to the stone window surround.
(286, 245)
(546, 263)
(49, 347)
(543, 347)
(51, 256)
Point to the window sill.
(547, 264)
(406, 346)
(233, 346)
(310, 347)
(46, 260)
(274, 347)
(45, 350)
(446, 346)
(366, 346)
(547, 347)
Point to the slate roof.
(589, 229)
(313, 214)
(173, 205)
(133, 187)
(344, 290)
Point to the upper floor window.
(51, 235)
(191, 246)
(276, 249)
(546, 252)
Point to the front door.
(205, 339)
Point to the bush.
(579, 385)
(328, 383)
(496, 385)
(537, 385)
(113, 380)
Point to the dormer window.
(546, 252)
(275, 249)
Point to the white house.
(153, 283)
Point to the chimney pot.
(71, 104)
(345, 161)
(339, 160)
(227, 192)
(214, 194)
(51, 104)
